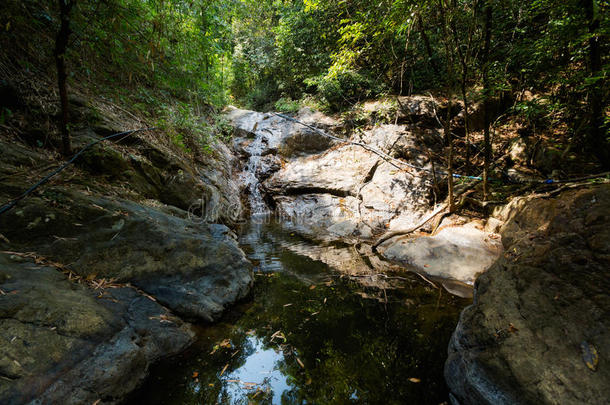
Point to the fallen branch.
(390, 235)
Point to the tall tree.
(487, 95)
(595, 141)
(61, 43)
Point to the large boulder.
(366, 194)
(340, 172)
(194, 268)
(285, 136)
(538, 331)
(62, 342)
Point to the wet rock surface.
(539, 331)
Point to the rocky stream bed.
(131, 257)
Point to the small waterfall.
(255, 149)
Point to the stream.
(311, 335)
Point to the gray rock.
(61, 342)
(395, 199)
(314, 214)
(281, 135)
(196, 269)
(536, 308)
(340, 172)
(460, 253)
(303, 141)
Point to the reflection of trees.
(353, 348)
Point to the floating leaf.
(224, 369)
(414, 380)
(195, 374)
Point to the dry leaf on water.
(224, 369)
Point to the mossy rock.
(103, 160)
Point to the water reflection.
(311, 337)
(260, 374)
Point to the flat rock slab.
(341, 172)
(62, 342)
(538, 331)
(458, 252)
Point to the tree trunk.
(424, 36)
(595, 141)
(466, 117)
(447, 122)
(61, 43)
(486, 106)
(449, 138)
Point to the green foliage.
(344, 89)
(287, 105)
(531, 111)
(265, 53)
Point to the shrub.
(287, 105)
(345, 89)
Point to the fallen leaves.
(300, 362)
(278, 334)
(91, 280)
(224, 369)
(224, 344)
(163, 318)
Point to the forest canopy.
(267, 54)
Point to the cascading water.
(255, 149)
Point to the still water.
(309, 334)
